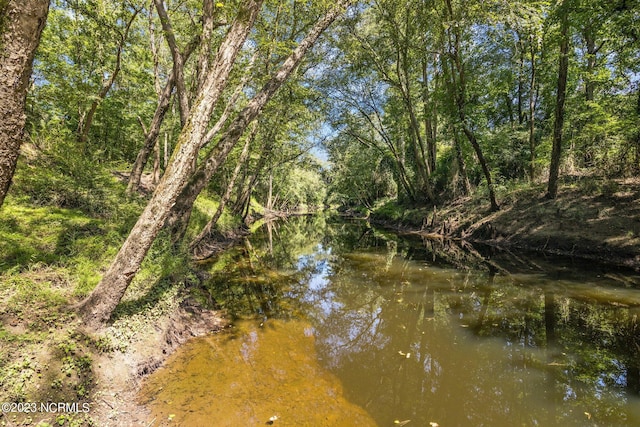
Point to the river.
(336, 323)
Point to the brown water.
(340, 324)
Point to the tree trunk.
(520, 80)
(532, 113)
(178, 63)
(21, 26)
(227, 194)
(430, 118)
(592, 52)
(563, 70)
(483, 164)
(208, 9)
(98, 307)
(86, 119)
(466, 185)
(458, 82)
(151, 136)
(269, 204)
(156, 163)
(181, 212)
(247, 186)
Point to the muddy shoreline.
(601, 227)
(120, 374)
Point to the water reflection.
(499, 340)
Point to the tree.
(21, 25)
(181, 211)
(86, 117)
(96, 309)
(458, 83)
(561, 93)
(170, 192)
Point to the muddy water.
(340, 324)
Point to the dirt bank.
(118, 374)
(590, 219)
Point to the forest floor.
(51, 258)
(590, 219)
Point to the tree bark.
(563, 70)
(430, 118)
(20, 30)
(98, 307)
(178, 62)
(181, 212)
(532, 112)
(208, 9)
(466, 185)
(458, 82)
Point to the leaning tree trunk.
(563, 70)
(206, 231)
(98, 307)
(458, 84)
(181, 212)
(532, 113)
(21, 25)
(151, 136)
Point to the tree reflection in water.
(430, 332)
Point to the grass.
(52, 257)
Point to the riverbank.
(591, 219)
(51, 258)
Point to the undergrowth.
(59, 230)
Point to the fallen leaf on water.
(272, 420)
(401, 423)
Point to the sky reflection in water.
(508, 340)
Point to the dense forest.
(145, 129)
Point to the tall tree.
(561, 93)
(151, 135)
(21, 25)
(458, 82)
(86, 118)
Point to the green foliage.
(57, 172)
(392, 62)
(300, 189)
(508, 152)
(390, 211)
(77, 53)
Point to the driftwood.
(217, 242)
